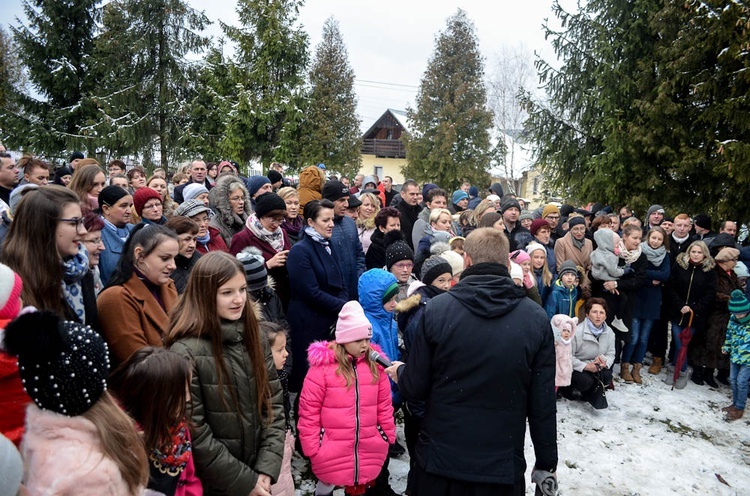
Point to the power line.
(387, 84)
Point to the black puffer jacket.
(230, 450)
(483, 359)
(691, 285)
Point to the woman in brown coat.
(574, 245)
(134, 307)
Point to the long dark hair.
(151, 387)
(31, 249)
(196, 316)
(148, 237)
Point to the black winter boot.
(723, 376)
(708, 376)
(698, 375)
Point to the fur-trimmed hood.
(218, 197)
(409, 303)
(683, 260)
(321, 353)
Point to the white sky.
(390, 43)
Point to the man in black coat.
(483, 359)
(409, 208)
(198, 173)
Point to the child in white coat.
(564, 328)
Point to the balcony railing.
(384, 148)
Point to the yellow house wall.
(391, 167)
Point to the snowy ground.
(652, 440)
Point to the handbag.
(598, 397)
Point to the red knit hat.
(538, 224)
(143, 195)
(10, 293)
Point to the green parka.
(230, 450)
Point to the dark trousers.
(586, 381)
(657, 340)
(412, 426)
(426, 484)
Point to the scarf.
(293, 226)
(627, 255)
(74, 269)
(318, 238)
(275, 238)
(205, 239)
(655, 257)
(174, 460)
(122, 232)
(596, 331)
(578, 243)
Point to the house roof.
(398, 115)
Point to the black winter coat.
(409, 216)
(180, 274)
(628, 286)
(691, 285)
(483, 359)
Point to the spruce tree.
(55, 47)
(449, 139)
(330, 132)
(143, 99)
(268, 72)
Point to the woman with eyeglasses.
(229, 201)
(45, 248)
(94, 245)
(317, 287)
(135, 305)
(115, 205)
(208, 238)
(149, 207)
(263, 231)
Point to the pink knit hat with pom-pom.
(10, 293)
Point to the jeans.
(738, 377)
(635, 350)
(676, 330)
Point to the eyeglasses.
(237, 198)
(274, 220)
(93, 242)
(552, 217)
(76, 221)
(403, 265)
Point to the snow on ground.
(652, 440)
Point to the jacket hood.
(683, 260)
(218, 197)
(310, 178)
(605, 240)
(372, 286)
(487, 290)
(321, 353)
(409, 303)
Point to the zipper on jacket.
(687, 297)
(356, 419)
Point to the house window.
(535, 186)
(379, 171)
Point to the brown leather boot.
(625, 373)
(735, 414)
(655, 367)
(637, 373)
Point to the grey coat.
(586, 347)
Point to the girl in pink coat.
(345, 414)
(565, 328)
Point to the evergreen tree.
(143, 99)
(449, 138)
(268, 74)
(650, 104)
(56, 48)
(330, 132)
(12, 84)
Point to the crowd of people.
(223, 322)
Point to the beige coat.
(565, 250)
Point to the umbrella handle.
(690, 320)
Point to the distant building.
(383, 152)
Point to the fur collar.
(219, 198)
(409, 303)
(683, 260)
(320, 353)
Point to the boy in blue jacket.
(564, 295)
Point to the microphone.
(379, 359)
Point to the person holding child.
(345, 413)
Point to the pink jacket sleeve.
(385, 407)
(310, 406)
